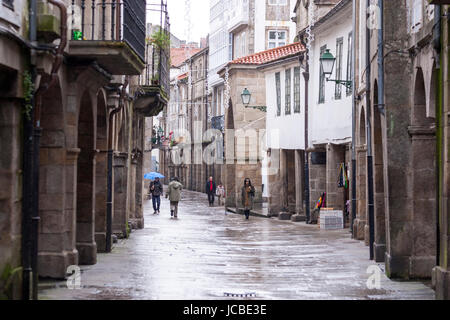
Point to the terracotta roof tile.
(179, 55)
(270, 55)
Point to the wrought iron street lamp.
(327, 62)
(246, 97)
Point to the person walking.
(220, 193)
(156, 190)
(248, 194)
(211, 191)
(174, 195)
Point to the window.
(297, 90)
(278, 86)
(338, 87)
(322, 79)
(349, 62)
(288, 92)
(276, 39)
(243, 44)
(9, 4)
(230, 47)
(277, 2)
(236, 53)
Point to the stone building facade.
(284, 167)
(244, 129)
(75, 169)
(399, 139)
(441, 274)
(188, 120)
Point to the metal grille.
(157, 69)
(134, 25)
(112, 20)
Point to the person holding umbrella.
(156, 190)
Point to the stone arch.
(423, 148)
(56, 241)
(101, 172)
(85, 206)
(362, 127)
(378, 182)
(431, 112)
(120, 174)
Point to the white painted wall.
(285, 131)
(330, 122)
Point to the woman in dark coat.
(248, 194)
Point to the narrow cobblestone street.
(207, 253)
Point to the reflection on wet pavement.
(210, 254)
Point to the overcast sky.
(199, 18)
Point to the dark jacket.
(158, 189)
(208, 188)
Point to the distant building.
(243, 27)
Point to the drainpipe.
(306, 169)
(381, 102)
(207, 174)
(28, 155)
(369, 144)
(192, 131)
(353, 183)
(109, 200)
(439, 132)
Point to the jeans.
(211, 198)
(174, 208)
(156, 200)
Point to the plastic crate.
(331, 220)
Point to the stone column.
(361, 213)
(275, 203)
(423, 254)
(299, 183)
(57, 210)
(11, 186)
(138, 221)
(120, 177)
(100, 199)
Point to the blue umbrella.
(153, 176)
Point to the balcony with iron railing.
(154, 83)
(111, 32)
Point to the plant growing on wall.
(160, 39)
(6, 281)
(28, 91)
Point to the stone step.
(285, 216)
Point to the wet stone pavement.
(207, 254)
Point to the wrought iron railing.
(110, 20)
(218, 123)
(157, 53)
